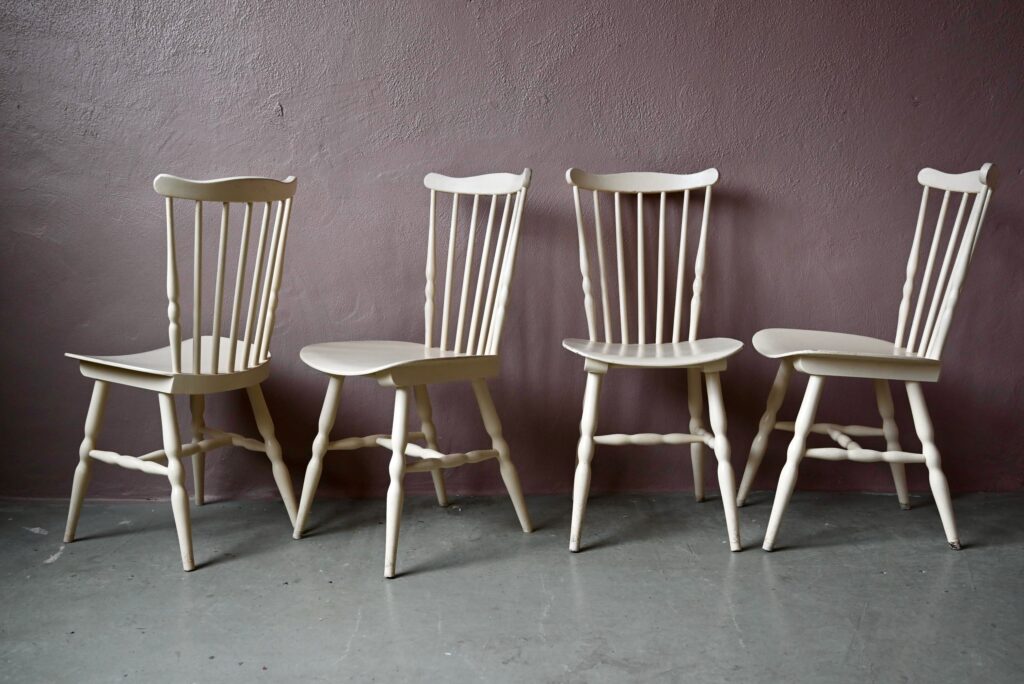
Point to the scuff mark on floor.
(36, 530)
(55, 556)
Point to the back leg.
(430, 435)
(266, 428)
(197, 406)
(936, 478)
(508, 470)
(83, 472)
(892, 440)
(695, 401)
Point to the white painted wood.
(764, 430)
(699, 266)
(621, 269)
(508, 470)
(641, 181)
(795, 454)
(280, 470)
(466, 348)
(887, 411)
(584, 457)
(677, 318)
(641, 276)
(238, 189)
(426, 413)
(659, 316)
(603, 352)
(202, 364)
(914, 356)
(396, 490)
(176, 476)
(83, 472)
(668, 355)
(197, 408)
(328, 414)
(936, 478)
(236, 305)
(695, 404)
(726, 478)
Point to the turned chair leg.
(197, 405)
(508, 470)
(396, 493)
(936, 478)
(764, 430)
(795, 454)
(726, 479)
(266, 428)
(430, 436)
(584, 455)
(695, 401)
(883, 395)
(83, 472)
(328, 414)
(176, 476)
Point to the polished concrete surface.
(858, 591)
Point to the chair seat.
(153, 370)
(372, 357)
(777, 343)
(667, 355)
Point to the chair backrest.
(493, 254)
(975, 188)
(250, 318)
(664, 187)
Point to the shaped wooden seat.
(397, 359)
(203, 364)
(466, 349)
(914, 356)
(845, 355)
(670, 344)
(665, 355)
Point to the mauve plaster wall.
(818, 115)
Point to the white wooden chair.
(666, 348)
(466, 349)
(914, 357)
(205, 363)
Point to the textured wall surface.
(817, 114)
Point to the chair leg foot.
(764, 430)
(584, 456)
(83, 471)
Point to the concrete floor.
(857, 592)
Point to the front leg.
(266, 428)
(396, 493)
(584, 455)
(328, 414)
(726, 478)
(508, 469)
(197, 406)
